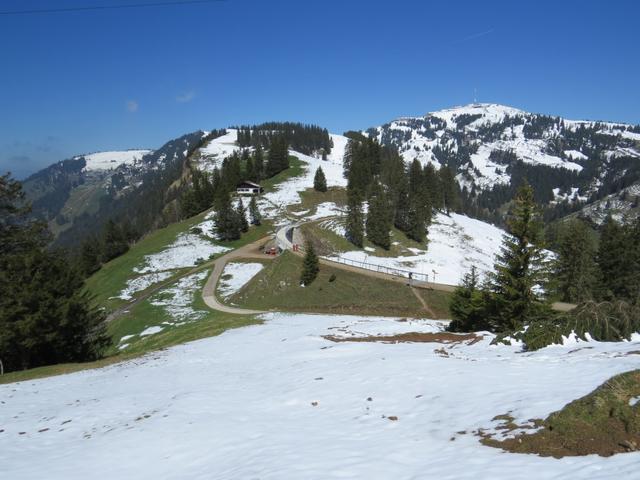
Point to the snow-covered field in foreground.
(241, 405)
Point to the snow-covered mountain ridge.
(491, 147)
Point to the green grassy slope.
(277, 287)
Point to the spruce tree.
(379, 218)
(46, 316)
(242, 216)
(521, 265)
(319, 181)
(433, 187)
(114, 241)
(575, 268)
(403, 205)
(310, 265)
(90, 259)
(250, 170)
(226, 218)
(355, 219)
(278, 158)
(419, 212)
(615, 260)
(450, 190)
(254, 212)
(258, 163)
(467, 306)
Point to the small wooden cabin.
(249, 188)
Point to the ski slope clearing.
(455, 244)
(279, 401)
(287, 192)
(217, 150)
(112, 160)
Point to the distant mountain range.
(579, 168)
(585, 167)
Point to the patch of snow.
(575, 155)
(241, 274)
(277, 401)
(208, 228)
(142, 282)
(325, 209)
(151, 331)
(178, 299)
(184, 252)
(217, 150)
(112, 160)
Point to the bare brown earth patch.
(604, 422)
(412, 337)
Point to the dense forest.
(396, 195)
(307, 139)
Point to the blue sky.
(101, 80)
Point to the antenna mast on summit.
(475, 95)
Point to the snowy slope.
(455, 244)
(474, 132)
(217, 150)
(272, 204)
(112, 160)
(277, 401)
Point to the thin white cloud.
(474, 36)
(186, 97)
(132, 106)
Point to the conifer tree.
(319, 181)
(467, 306)
(242, 216)
(419, 212)
(250, 170)
(226, 218)
(615, 256)
(433, 187)
(379, 218)
(258, 163)
(450, 190)
(575, 267)
(278, 158)
(521, 265)
(254, 212)
(355, 219)
(90, 259)
(401, 218)
(310, 265)
(114, 241)
(46, 315)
